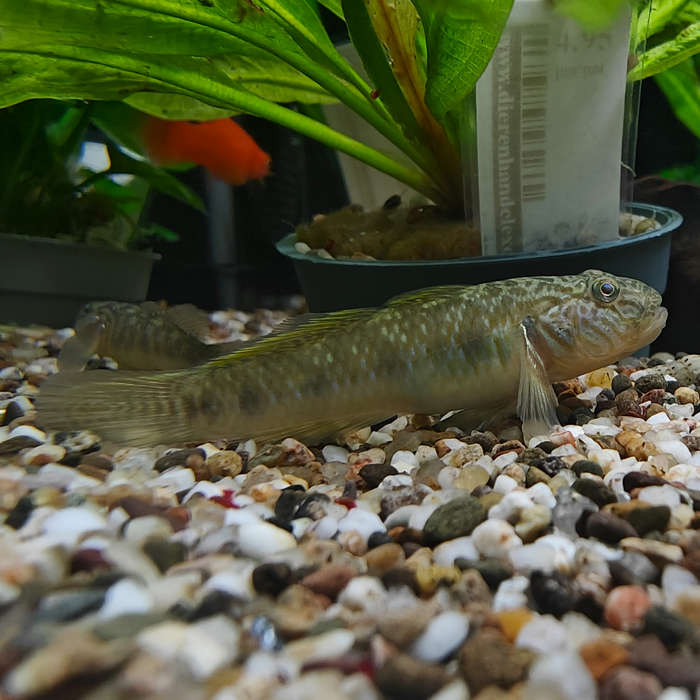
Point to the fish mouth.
(655, 326)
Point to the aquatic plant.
(201, 59)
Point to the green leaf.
(668, 54)
(271, 79)
(177, 107)
(158, 231)
(657, 14)
(334, 6)
(374, 56)
(461, 37)
(158, 178)
(593, 15)
(682, 89)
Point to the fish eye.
(605, 290)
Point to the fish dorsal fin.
(426, 296)
(536, 399)
(190, 319)
(296, 331)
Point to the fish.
(222, 146)
(488, 350)
(141, 337)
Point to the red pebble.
(626, 607)
(349, 503)
(226, 500)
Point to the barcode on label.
(533, 124)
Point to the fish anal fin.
(536, 399)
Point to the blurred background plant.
(72, 171)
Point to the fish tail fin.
(131, 408)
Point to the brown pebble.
(88, 560)
(329, 580)
(385, 557)
(691, 561)
(627, 683)
(94, 472)
(98, 460)
(408, 678)
(178, 517)
(137, 507)
(601, 655)
(226, 463)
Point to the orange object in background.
(224, 148)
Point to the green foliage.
(43, 194)
(198, 59)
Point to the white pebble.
(68, 525)
(208, 449)
(460, 548)
(505, 484)
(456, 690)
(511, 504)
(258, 540)
(126, 597)
(322, 647)
(238, 581)
(401, 516)
(540, 494)
(447, 477)
(495, 538)
(676, 580)
(544, 635)
(664, 495)
(240, 516)
(511, 594)
(607, 459)
(406, 459)
(178, 479)
(675, 694)
(28, 431)
(420, 516)
(205, 488)
(300, 526)
(377, 438)
(365, 593)
(8, 593)
(325, 528)
(502, 461)
(50, 453)
(658, 419)
(210, 645)
(335, 453)
(166, 640)
(444, 634)
(676, 449)
(549, 553)
(564, 671)
(138, 530)
(564, 450)
(363, 521)
(425, 453)
(302, 248)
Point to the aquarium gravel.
(408, 564)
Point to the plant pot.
(45, 281)
(332, 285)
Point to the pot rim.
(670, 220)
(71, 245)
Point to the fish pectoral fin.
(77, 351)
(468, 419)
(314, 432)
(537, 402)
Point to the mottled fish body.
(141, 337)
(488, 350)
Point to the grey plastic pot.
(332, 285)
(45, 281)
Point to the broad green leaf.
(593, 15)
(668, 54)
(657, 14)
(177, 107)
(158, 231)
(271, 79)
(682, 89)
(374, 56)
(334, 6)
(156, 177)
(461, 37)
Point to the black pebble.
(164, 553)
(552, 593)
(581, 416)
(651, 381)
(393, 202)
(551, 466)
(376, 539)
(620, 383)
(281, 524)
(12, 411)
(20, 513)
(655, 362)
(670, 628)
(215, 602)
(672, 386)
(598, 492)
(639, 480)
(272, 578)
(608, 528)
(587, 465)
(287, 503)
(547, 446)
(374, 474)
(311, 505)
(652, 519)
(605, 395)
(177, 458)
